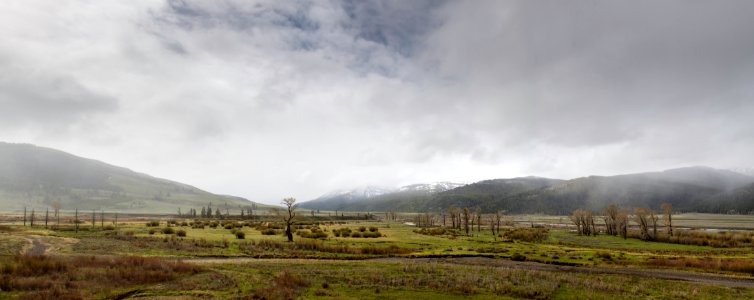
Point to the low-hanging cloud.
(266, 99)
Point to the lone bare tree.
(667, 211)
(288, 215)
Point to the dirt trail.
(45, 245)
(714, 279)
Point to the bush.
(525, 234)
(269, 231)
(152, 231)
(181, 233)
(431, 231)
(371, 234)
(168, 230)
(373, 229)
(362, 229)
(518, 257)
(240, 235)
(356, 234)
(153, 223)
(109, 227)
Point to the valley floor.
(133, 261)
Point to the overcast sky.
(270, 99)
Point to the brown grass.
(739, 265)
(285, 286)
(42, 277)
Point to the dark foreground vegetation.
(83, 277)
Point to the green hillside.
(38, 177)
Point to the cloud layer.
(268, 99)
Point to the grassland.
(402, 263)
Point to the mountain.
(36, 177)
(375, 199)
(699, 189)
(338, 199)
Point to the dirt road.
(44, 245)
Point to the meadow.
(533, 257)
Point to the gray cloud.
(296, 98)
(39, 99)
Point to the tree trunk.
(288, 232)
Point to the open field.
(403, 262)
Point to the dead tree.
(667, 211)
(288, 215)
(611, 219)
(646, 218)
(466, 219)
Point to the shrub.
(153, 223)
(109, 227)
(373, 229)
(604, 255)
(240, 235)
(362, 229)
(356, 234)
(371, 234)
(168, 230)
(525, 234)
(152, 231)
(181, 233)
(518, 257)
(431, 231)
(269, 231)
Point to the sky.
(271, 99)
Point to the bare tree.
(667, 211)
(478, 213)
(491, 218)
(645, 217)
(584, 221)
(56, 209)
(466, 214)
(47, 216)
(76, 220)
(621, 219)
(611, 219)
(288, 215)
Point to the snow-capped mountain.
(358, 193)
(436, 187)
(340, 199)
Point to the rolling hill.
(697, 189)
(36, 177)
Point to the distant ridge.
(692, 189)
(36, 177)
